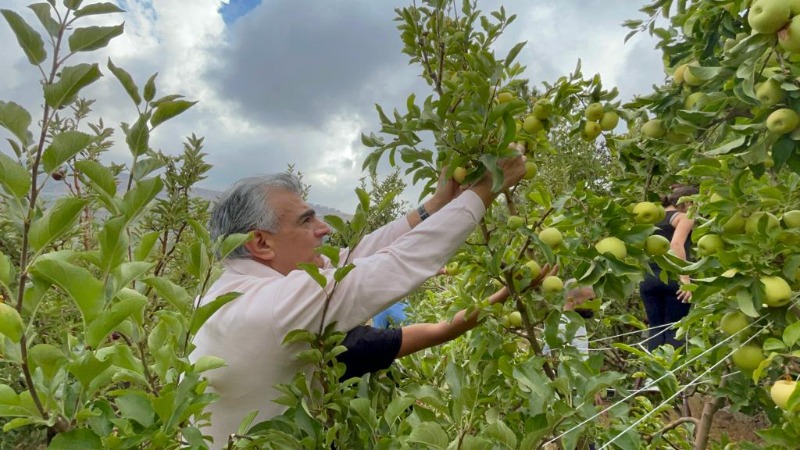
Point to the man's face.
(301, 231)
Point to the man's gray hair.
(245, 207)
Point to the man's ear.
(261, 246)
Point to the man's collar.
(250, 267)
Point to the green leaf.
(110, 318)
(513, 53)
(313, 271)
(8, 396)
(197, 261)
(138, 136)
(29, 40)
(14, 178)
(137, 199)
(363, 198)
(65, 145)
(78, 439)
(137, 407)
(125, 79)
(6, 270)
(146, 244)
(85, 289)
(48, 358)
(150, 88)
(42, 11)
(11, 324)
(208, 362)
(99, 174)
(93, 38)
(98, 8)
(56, 222)
(398, 406)
(171, 292)
(232, 242)
(72, 80)
(499, 432)
(429, 434)
(202, 313)
(129, 271)
(342, 272)
(16, 119)
(791, 334)
(113, 240)
(168, 110)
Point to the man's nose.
(323, 229)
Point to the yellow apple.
(591, 130)
(609, 121)
(777, 292)
(709, 244)
(654, 129)
(594, 112)
(551, 237)
(781, 391)
(689, 78)
(748, 357)
(530, 170)
(505, 97)
(782, 121)
(733, 322)
(612, 245)
(534, 268)
(532, 124)
(770, 93)
(769, 16)
(791, 219)
(552, 284)
(677, 77)
(656, 245)
(692, 99)
(459, 174)
(646, 213)
(515, 319)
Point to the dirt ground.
(736, 426)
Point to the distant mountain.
(56, 189)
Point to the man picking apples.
(277, 297)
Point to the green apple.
(777, 292)
(729, 44)
(782, 121)
(781, 391)
(534, 268)
(459, 174)
(791, 219)
(504, 97)
(530, 170)
(709, 244)
(654, 129)
(656, 245)
(646, 213)
(612, 245)
(594, 111)
(591, 130)
(515, 319)
(692, 99)
(552, 284)
(677, 138)
(794, 6)
(751, 224)
(551, 237)
(769, 16)
(748, 357)
(542, 109)
(532, 124)
(452, 269)
(734, 225)
(515, 222)
(733, 322)
(689, 78)
(770, 93)
(609, 121)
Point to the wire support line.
(673, 396)
(650, 385)
(607, 338)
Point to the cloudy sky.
(282, 82)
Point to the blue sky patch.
(235, 9)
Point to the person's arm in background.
(683, 226)
(425, 335)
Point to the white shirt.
(247, 332)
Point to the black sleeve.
(369, 349)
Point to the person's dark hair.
(244, 207)
(678, 191)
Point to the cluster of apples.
(540, 113)
(597, 121)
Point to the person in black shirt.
(371, 349)
(666, 303)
